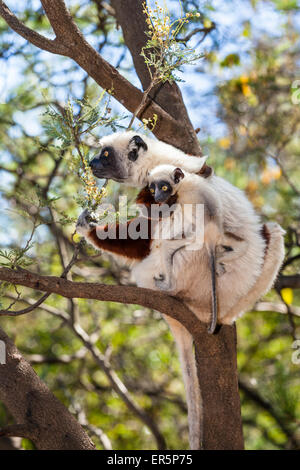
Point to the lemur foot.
(275, 229)
(162, 283)
(86, 221)
(272, 233)
(220, 269)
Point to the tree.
(216, 356)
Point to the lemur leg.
(165, 279)
(273, 260)
(184, 343)
(230, 250)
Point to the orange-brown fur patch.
(127, 247)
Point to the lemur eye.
(152, 190)
(165, 188)
(105, 154)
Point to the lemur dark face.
(106, 165)
(114, 160)
(164, 188)
(161, 190)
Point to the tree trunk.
(39, 415)
(218, 380)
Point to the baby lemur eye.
(105, 154)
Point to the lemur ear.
(138, 142)
(206, 171)
(177, 175)
(135, 144)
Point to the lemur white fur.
(179, 230)
(238, 216)
(242, 265)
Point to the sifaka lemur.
(130, 158)
(179, 232)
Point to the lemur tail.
(184, 342)
(212, 238)
(214, 301)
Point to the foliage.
(66, 129)
(15, 257)
(163, 53)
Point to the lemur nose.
(93, 163)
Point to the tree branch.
(62, 22)
(167, 95)
(45, 296)
(276, 307)
(216, 382)
(215, 354)
(71, 43)
(122, 294)
(47, 283)
(292, 281)
(50, 45)
(18, 430)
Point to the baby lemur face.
(163, 183)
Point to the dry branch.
(292, 281)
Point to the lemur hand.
(162, 283)
(220, 269)
(86, 221)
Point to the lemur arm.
(164, 280)
(126, 247)
(273, 235)
(145, 197)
